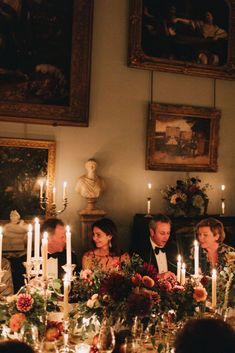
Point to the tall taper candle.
(29, 243)
(68, 246)
(196, 258)
(36, 238)
(66, 298)
(214, 289)
(64, 190)
(44, 255)
(183, 273)
(178, 268)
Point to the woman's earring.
(110, 243)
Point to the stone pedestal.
(88, 216)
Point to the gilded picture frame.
(183, 37)
(23, 164)
(45, 64)
(182, 138)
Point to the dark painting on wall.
(182, 138)
(23, 163)
(45, 49)
(183, 36)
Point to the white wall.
(117, 132)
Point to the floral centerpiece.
(29, 308)
(226, 283)
(23, 310)
(134, 291)
(187, 197)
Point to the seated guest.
(105, 254)
(56, 251)
(56, 246)
(213, 253)
(205, 336)
(158, 249)
(14, 346)
(6, 284)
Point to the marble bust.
(90, 185)
(14, 233)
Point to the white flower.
(93, 302)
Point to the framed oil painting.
(182, 138)
(23, 163)
(45, 61)
(194, 37)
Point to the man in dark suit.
(158, 249)
(55, 229)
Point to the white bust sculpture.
(90, 185)
(14, 232)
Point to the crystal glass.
(131, 345)
(106, 338)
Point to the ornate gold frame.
(76, 111)
(137, 58)
(194, 135)
(20, 155)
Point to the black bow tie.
(54, 255)
(156, 250)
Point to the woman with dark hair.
(14, 346)
(205, 336)
(106, 254)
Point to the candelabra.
(45, 205)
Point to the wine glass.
(106, 339)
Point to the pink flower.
(136, 279)
(87, 275)
(16, 321)
(199, 294)
(177, 288)
(165, 285)
(24, 302)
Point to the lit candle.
(68, 245)
(222, 200)
(41, 188)
(83, 348)
(66, 298)
(29, 243)
(178, 268)
(64, 190)
(148, 205)
(47, 184)
(149, 200)
(183, 273)
(36, 238)
(214, 290)
(44, 255)
(53, 195)
(196, 258)
(1, 248)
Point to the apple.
(52, 333)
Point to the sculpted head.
(91, 165)
(14, 216)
